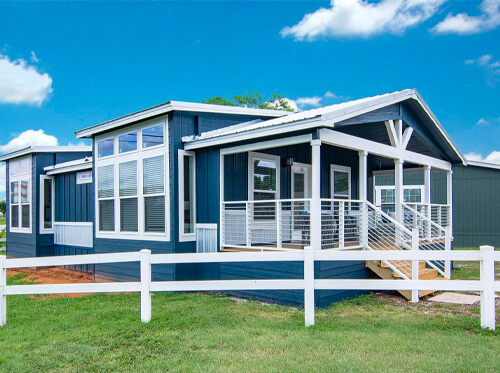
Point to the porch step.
(382, 270)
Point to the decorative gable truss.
(398, 138)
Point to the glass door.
(301, 189)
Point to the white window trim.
(138, 156)
(21, 177)
(336, 167)
(379, 188)
(44, 230)
(302, 168)
(129, 132)
(252, 156)
(107, 137)
(86, 180)
(186, 237)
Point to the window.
(340, 181)
(127, 142)
(46, 204)
(105, 148)
(187, 195)
(385, 195)
(264, 184)
(132, 187)
(20, 195)
(152, 136)
(84, 177)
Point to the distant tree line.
(252, 100)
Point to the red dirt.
(54, 276)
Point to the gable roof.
(43, 149)
(326, 116)
(175, 106)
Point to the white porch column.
(427, 198)
(363, 195)
(449, 198)
(315, 219)
(398, 194)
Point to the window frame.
(379, 188)
(138, 155)
(19, 178)
(44, 230)
(185, 237)
(86, 180)
(107, 137)
(346, 169)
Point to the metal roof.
(43, 149)
(76, 165)
(483, 164)
(175, 106)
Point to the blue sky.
(90, 62)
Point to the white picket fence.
(487, 285)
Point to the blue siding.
(74, 202)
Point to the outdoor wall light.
(288, 162)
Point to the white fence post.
(3, 297)
(488, 286)
(415, 267)
(309, 285)
(145, 256)
(447, 247)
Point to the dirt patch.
(53, 276)
(431, 308)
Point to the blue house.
(187, 177)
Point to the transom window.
(20, 195)
(131, 185)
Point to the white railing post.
(3, 297)
(488, 287)
(341, 224)
(145, 256)
(278, 225)
(309, 285)
(247, 225)
(364, 224)
(415, 267)
(315, 224)
(447, 247)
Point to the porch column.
(363, 195)
(427, 198)
(315, 220)
(449, 198)
(398, 194)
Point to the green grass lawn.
(470, 270)
(2, 221)
(211, 333)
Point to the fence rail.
(487, 285)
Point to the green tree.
(3, 206)
(252, 100)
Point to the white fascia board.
(267, 144)
(44, 149)
(257, 133)
(63, 170)
(175, 106)
(483, 164)
(356, 143)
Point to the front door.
(301, 189)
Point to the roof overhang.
(175, 106)
(483, 164)
(72, 166)
(43, 149)
(319, 118)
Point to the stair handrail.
(388, 217)
(422, 216)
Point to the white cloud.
(361, 18)
(486, 62)
(34, 58)
(29, 138)
(481, 122)
(303, 102)
(463, 24)
(493, 157)
(22, 84)
(329, 94)
(469, 62)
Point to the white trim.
(483, 164)
(305, 169)
(19, 178)
(44, 230)
(175, 106)
(415, 170)
(138, 156)
(73, 223)
(206, 225)
(265, 144)
(185, 237)
(67, 169)
(44, 149)
(343, 140)
(346, 169)
(379, 188)
(252, 156)
(84, 180)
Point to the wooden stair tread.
(423, 274)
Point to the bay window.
(20, 195)
(131, 185)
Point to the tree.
(252, 100)
(3, 206)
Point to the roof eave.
(43, 149)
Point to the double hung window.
(20, 194)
